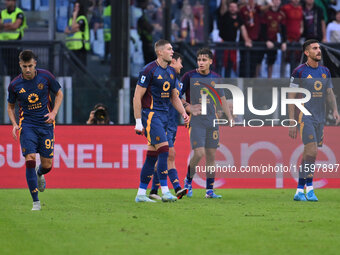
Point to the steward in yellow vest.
(12, 22)
(78, 33)
(107, 31)
(79, 39)
(12, 25)
(107, 23)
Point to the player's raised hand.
(14, 132)
(336, 117)
(186, 118)
(139, 127)
(292, 132)
(50, 117)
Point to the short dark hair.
(100, 105)
(308, 42)
(161, 43)
(177, 55)
(82, 10)
(27, 55)
(205, 51)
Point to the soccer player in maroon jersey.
(273, 22)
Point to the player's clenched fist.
(139, 127)
(186, 118)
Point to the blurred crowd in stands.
(274, 23)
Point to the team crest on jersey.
(159, 77)
(324, 76)
(23, 150)
(40, 86)
(318, 85)
(142, 79)
(22, 90)
(158, 138)
(196, 83)
(309, 76)
(32, 98)
(310, 137)
(172, 76)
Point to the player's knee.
(199, 153)
(30, 157)
(311, 151)
(46, 164)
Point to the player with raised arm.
(317, 79)
(31, 89)
(176, 63)
(155, 89)
(204, 137)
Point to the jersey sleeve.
(11, 95)
(144, 78)
(179, 88)
(53, 83)
(329, 84)
(294, 80)
(185, 84)
(173, 81)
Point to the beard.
(316, 59)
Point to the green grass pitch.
(248, 221)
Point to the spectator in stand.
(251, 17)
(157, 21)
(78, 33)
(273, 22)
(229, 23)
(314, 23)
(96, 20)
(294, 20)
(187, 24)
(12, 25)
(107, 32)
(294, 25)
(333, 30)
(145, 30)
(198, 13)
(327, 11)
